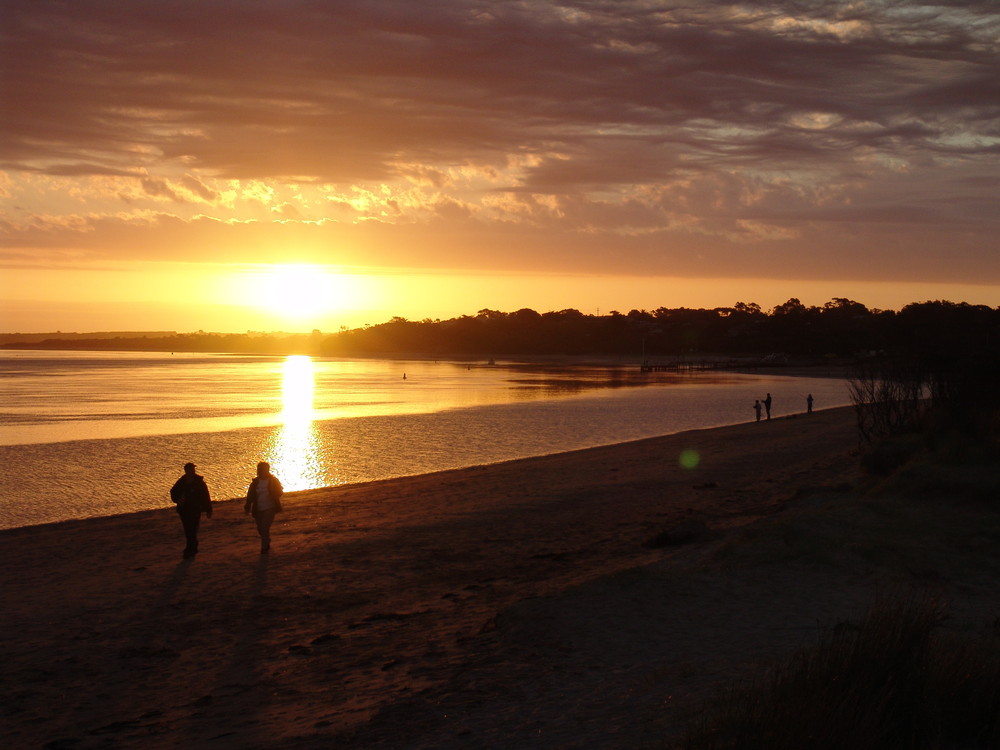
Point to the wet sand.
(512, 605)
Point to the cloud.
(199, 189)
(158, 189)
(339, 94)
(717, 136)
(288, 211)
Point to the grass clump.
(897, 679)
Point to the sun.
(296, 292)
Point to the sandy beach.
(516, 605)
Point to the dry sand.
(506, 606)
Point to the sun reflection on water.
(295, 455)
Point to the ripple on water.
(84, 478)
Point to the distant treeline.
(840, 328)
(36, 338)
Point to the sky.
(234, 165)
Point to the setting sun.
(297, 291)
(300, 293)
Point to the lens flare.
(689, 459)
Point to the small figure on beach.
(767, 405)
(756, 409)
(809, 404)
(190, 494)
(264, 501)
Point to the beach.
(579, 600)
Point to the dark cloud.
(343, 91)
(78, 169)
(158, 189)
(199, 188)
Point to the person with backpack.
(264, 502)
(190, 495)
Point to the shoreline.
(519, 604)
(374, 594)
(310, 494)
(51, 477)
(593, 598)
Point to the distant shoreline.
(792, 366)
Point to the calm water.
(90, 434)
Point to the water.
(91, 434)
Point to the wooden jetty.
(700, 366)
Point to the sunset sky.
(235, 165)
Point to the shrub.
(888, 398)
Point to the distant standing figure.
(809, 404)
(190, 493)
(767, 405)
(756, 409)
(264, 501)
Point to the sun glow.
(297, 292)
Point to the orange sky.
(296, 165)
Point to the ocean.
(85, 434)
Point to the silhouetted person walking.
(809, 404)
(767, 405)
(264, 501)
(756, 409)
(190, 493)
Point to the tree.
(844, 305)
(748, 308)
(791, 307)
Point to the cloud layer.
(793, 139)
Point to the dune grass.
(897, 679)
(907, 675)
